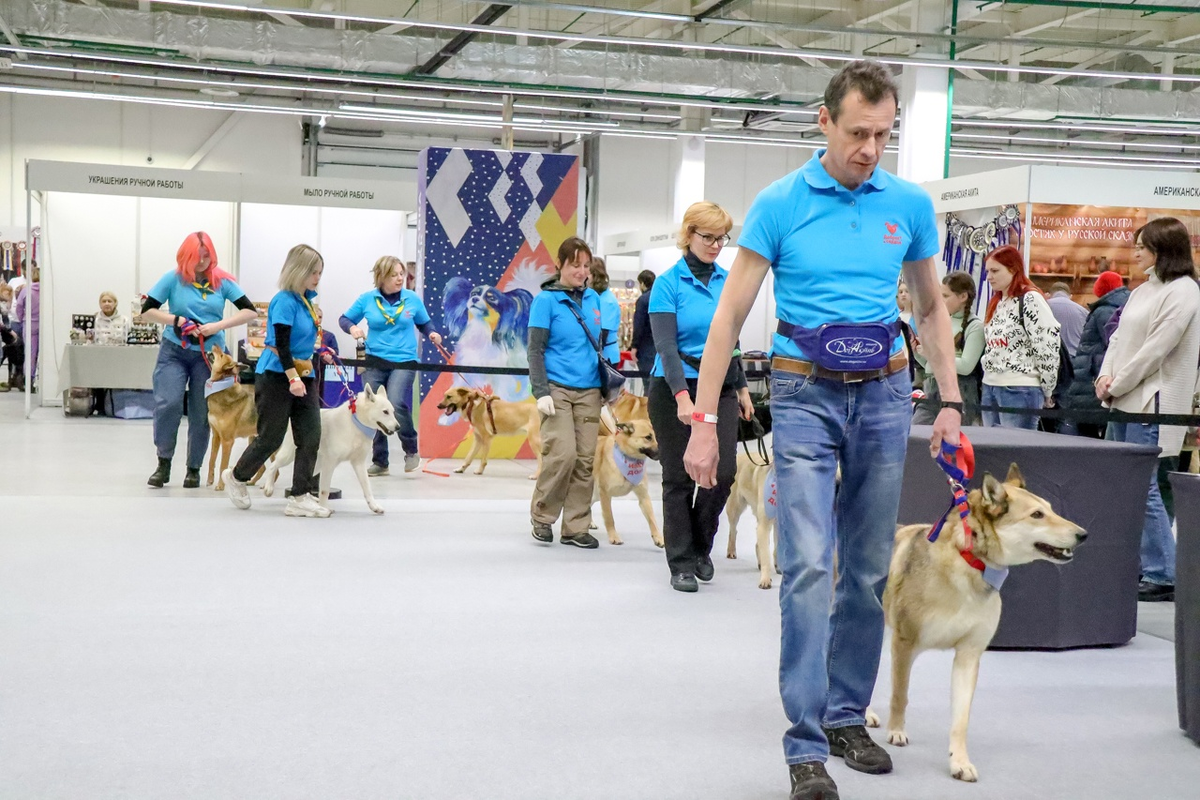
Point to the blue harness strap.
(958, 462)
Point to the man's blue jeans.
(1011, 397)
(1158, 544)
(829, 658)
(398, 384)
(177, 371)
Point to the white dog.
(346, 435)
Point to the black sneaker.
(1156, 592)
(860, 752)
(192, 479)
(543, 532)
(705, 569)
(584, 540)
(810, 781)
(684, 582)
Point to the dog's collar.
(363, 428)
(631, 469)
(992, 576)
(211, 388)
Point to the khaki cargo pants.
(568, 450)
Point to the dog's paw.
(658, 541)
(963, 770)
(731, 554)
(764, 582)
(375, 508)
(479, 471)
(533, 477)
(268, 490)
(460, 470)
(872, 719)
(220, 487)
(898, 738)
(614, 539)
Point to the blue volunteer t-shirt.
(288, 308)
(610, 320)
(837, 253)
(198, 301)
(678, 292)
(392, 327)
(571, 361)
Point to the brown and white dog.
(490, 417)
(935, 599)
(754, 488)
(232, 414)
(620, 468)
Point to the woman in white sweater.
(1020, 358)
(1150, 367)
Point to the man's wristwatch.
(957, 406)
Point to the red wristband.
(698, 416)
(681, 391)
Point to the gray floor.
(162, 644)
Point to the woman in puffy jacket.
(1111, 295)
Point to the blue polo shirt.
(837, 253)
(678, 292)
(392, 331)
(571, 361)
(288, 309)
(610, 320)
(203, 304)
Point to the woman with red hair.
(1020, 358)
(190, 301)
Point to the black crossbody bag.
(611, 380)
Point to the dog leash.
(958, 462)
(486, 389)
(346, 391)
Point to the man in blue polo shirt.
(837, 232)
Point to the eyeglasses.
(709, 239)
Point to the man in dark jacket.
(642, 342)
(1111, 295)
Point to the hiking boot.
(705, 569)
(238, 494)
(684, 582)
(192, 479)
(855, 746)
(305, 505)
(810, 781)
(412, 462)
(376, 471)
(542, 532)
(1156, 592)
(584, 540)
(162, 475)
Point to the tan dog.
(631, 406)
(750, 490)
(630, 444)
(231, 413)
(935, 600)
(490, 417)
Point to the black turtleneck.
(700, 270)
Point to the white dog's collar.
(211, 388)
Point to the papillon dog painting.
(491, 328)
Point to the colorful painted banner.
(490, 223)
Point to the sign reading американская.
(232, 187)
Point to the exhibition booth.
(117, 229)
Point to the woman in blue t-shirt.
(393, 315)
(285, 387)
(190, 302)
(564, 372)
(682, 304)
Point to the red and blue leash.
(958, 462)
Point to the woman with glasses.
(682, 303)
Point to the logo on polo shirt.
(597, 313)
(890, 237)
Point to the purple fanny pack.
(845, 346)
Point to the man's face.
(857, 139)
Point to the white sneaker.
(305, 506)
(236, 490)
(412, 461)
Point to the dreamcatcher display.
(966, 245)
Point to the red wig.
(188, 259)
(1012, 260)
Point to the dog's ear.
(215, 351)
(625, 428)
(994, 494)
(1015, 478)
